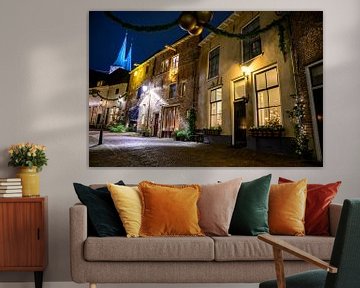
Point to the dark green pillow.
(250, 216)
(103, 218)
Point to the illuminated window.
(164, 65)
(174, 67)
(175, 62)
(214, 62)
(251, 45)
(142, 121)
(172, 90)
(268, 97)
(100, 83)
(239, 89)
(215, 107)
(182, 88)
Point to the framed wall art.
(205, 88)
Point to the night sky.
(106, 36)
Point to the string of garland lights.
(195, 22)
(141, 28)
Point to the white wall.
(43, 90)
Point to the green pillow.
(250, 216)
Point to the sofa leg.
(92, 285)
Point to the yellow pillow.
(127, 201)
(287, 204)
(169, 210)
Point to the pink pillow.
(319, 197)
(216, 206)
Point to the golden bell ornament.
(187, 21)
(196, 30)
(204, 17)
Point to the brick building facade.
(307, 51)
(246, 83)
(235, 85)
(107, 93)
(162, 89)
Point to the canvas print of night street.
(205, 89)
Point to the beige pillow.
(216, 206)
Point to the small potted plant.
(30, 158)
(182, 135)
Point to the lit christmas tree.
(297, 116)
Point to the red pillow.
(319, 197)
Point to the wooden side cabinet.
(23, 235)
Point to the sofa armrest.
(334, 217)
(78, 235)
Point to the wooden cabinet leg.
(92, 285)
(38, 279)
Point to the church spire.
(121, 60)
(128, 59)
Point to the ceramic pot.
(30, 181)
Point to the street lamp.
(246, 71)
(148, 116)
(102, 121)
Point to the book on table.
(10, 187)
(10, 184)
(6, 180)
(11, 191)
(2, 188)
(9, 195)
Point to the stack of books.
(10, 187)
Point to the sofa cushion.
(149, 249)
(250, 215)
(216, 206)
(127, 201)
(318, 199)
(245, 248)
(287, 204)
(102, 216)
(169, 210)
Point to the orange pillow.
(287, 204)
(169, 210)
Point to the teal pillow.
(250, 216)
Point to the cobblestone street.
(131, 150)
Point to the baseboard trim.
(74, 285)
